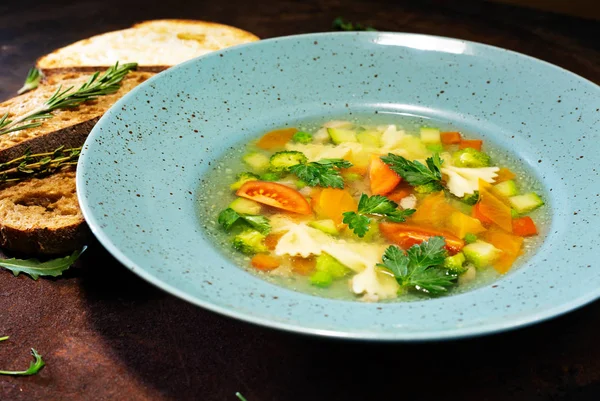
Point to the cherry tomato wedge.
(383, 179)
(406, 235)
(276, 195)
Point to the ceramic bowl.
(141, 168)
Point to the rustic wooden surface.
(107, 335)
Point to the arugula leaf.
(357, 223)
(415, 172)
(34, 268)
(377, 205)
(33, 368)
(339, 24)
(228, 217)
(421, 267)
(321, 173)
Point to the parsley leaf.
(34, 268)
(34, 366)
(415, 172)
(421, 267)
(357, 223)
(321, 173)
(377, 205)
(228, 218)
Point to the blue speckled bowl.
(143, 163)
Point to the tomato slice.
(276, 195)
(382, 178)
(406, 235)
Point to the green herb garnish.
(322, 173)
(98, 85)
(415, 172)
(33, 368)
(339, 24)
(39, 164)
(228, 218)
(375, 205)
(34, 268)
(34, 76)
(241, 397)
(421, 267)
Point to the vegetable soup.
(372, 212)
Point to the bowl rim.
(487, 328)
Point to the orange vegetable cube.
(470, 143)
(276, 139)
(450, 138)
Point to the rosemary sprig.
(98, 85)
(32, 81)
(39, 164)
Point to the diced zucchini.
(339, 135)
(329, 264)
(430, 135)
(514, 214)
(242, 179)
(526, 203)
(257, 161)
(245, 206)
(351, 177)
(435, 147)
(481, 254)
(455, 263)
(507, 188)
(369, 138)
(321, 279)
(327, 226)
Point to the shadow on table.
(183, 352)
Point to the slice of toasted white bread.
(154, 45)
(42, 215)
(68, 127)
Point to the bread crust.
(45, 241)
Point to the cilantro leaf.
(357, 223)
(376, 205)
(228, 218)
(34, 268)
(415, 172)
(321, 173)
(33, 368)
(421, 268)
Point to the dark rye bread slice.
(42, 215)
(69, 127)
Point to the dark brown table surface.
(108, 335)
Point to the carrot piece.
(272, 239)
(450, 138)
(476, 212)
(401, 191)
(407, 235)
(433, 211)
(524, 227)
(460, 225)
(470, 143)
(504, 174)
(510, 245)
(264, 262)
(494, 207)
(382, 178)
(332, 202)
(276, 139)
(303, 266)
